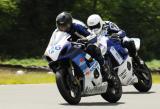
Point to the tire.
(113, 93)
(143, 84)
(64, 89)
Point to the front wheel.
(114, 92)
(69, 91)
(144, 78)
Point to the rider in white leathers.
(108, 28)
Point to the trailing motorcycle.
(130, 70)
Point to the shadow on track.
(95, 104)
(138, 92)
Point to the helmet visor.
(95, 26)
(63, 27)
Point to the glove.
(115, 36)
(83, 40)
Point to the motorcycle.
(77, 73)
(130, 70)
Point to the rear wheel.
(144, 78)
(70, 91)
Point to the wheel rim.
(72, 88)
(115, 89)
(144, 77)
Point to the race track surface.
(46, 96)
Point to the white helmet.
(95, 23)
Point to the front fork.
(71, 72)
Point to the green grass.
(9, 77)
(153, 64)
(41, 62)
(156, 78)
(38, 78)
(25, 62)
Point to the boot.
(107, 76)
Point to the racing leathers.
(79, 32)
(110, 29)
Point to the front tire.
(144, 79)
(113, 93)
(64, 87)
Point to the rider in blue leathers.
(79, 32)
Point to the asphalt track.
(46, 96)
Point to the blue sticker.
(51, 51)
(58, 47)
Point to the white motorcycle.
(131, 71)
(77, 73)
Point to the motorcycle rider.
(79, 32)
(108, 28)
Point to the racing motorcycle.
(77, 73)
(130, 70)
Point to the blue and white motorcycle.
(130, 70)
(77, 73)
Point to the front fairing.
(57, 43)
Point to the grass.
(153, 64)
(10, 77)
(25, 62)
(156, 78)
(41, 62)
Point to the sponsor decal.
(129, 81)
(58, 47)
(94, 66)
(51, 50)
(123, 74)
(129, 66)
(87, 72)
(96, 74)
(116, 55)
(82, 61)
(96, 89)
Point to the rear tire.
(65, 90)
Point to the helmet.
(95, 23)
(64, 21)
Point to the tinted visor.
(95, 26)
(63, 27)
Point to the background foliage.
(26, 25)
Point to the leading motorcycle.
(77, 73)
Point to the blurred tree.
(35, 23)
(8, 15)
(26, 25)
(140, 18)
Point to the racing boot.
(107, 76)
